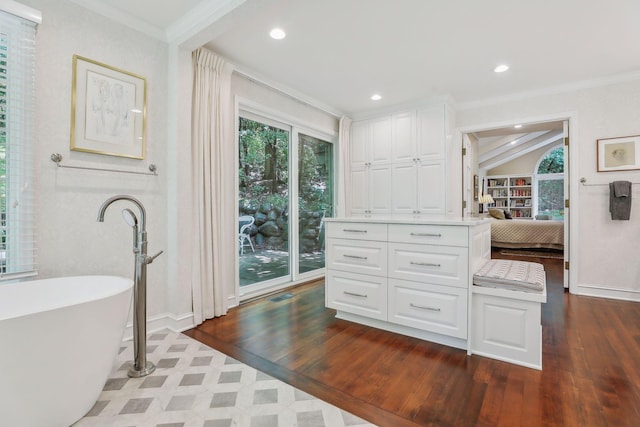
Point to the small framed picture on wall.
(618, 154)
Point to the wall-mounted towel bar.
(583, 181)
(57, 158)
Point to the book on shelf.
(497, 183)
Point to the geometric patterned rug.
(195, 385)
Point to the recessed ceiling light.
(517, 126)
(501, 68)
(376, 97)
(278, 34)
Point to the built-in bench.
(506, 307)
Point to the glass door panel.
(315, 199)
(263, 228)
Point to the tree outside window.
(550, 182)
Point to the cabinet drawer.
(429, 234)
(439, 309)
(357, 293)
(357, 256)
(357, 231)
(442, 265)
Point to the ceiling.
(339, 52)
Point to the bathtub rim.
(124, 285)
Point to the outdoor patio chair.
(245, 222)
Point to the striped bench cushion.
(513, 275)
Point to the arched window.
(549, 178)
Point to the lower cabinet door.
(357, 293)
(434, 308)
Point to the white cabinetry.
(418, 187)
(408, 176)
(433, 126)
(408, 278)
(403, 136)
(371, 189)
(371, 142)
(371, 166)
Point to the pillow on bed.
(496, 213)
(507, 214)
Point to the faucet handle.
(149, 259)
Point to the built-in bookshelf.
(511, 193)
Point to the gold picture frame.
(618, 154)
(108, 110)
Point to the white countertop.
(415, 219)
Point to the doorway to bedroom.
(519, 172)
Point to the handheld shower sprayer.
(131, 219)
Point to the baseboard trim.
(611, 293)
(175, 323)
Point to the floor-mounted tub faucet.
(140, 367)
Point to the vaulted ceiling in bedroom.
(499, 146)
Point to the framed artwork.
(618, 154)
(108, 110)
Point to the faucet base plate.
(137, 373)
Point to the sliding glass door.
(285, 191)
(315, 199)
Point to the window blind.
(17, 104)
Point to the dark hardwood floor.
(590, 377)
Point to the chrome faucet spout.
(110, 200)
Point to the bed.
(527, 233)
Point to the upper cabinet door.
(358, 143)
(359, 199)
(380, 144)
(403, 137)
(431, 133)
(431, 187)
(380, 189)
(403, 187)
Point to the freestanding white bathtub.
(58, 341)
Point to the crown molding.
(199, 19)
(446, 99)
(22, 11)
(551, 90)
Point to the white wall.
(70, 240)
(606, 250)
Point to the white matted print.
(108, 110)
(619, 154)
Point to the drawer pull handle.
(426, 234)
(353, 230)
(425, 264)
(355, 256)
(353, 294)
(422, 307)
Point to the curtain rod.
(57, 158)
(583, 181)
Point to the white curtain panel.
(213, 171)
(344, 170)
